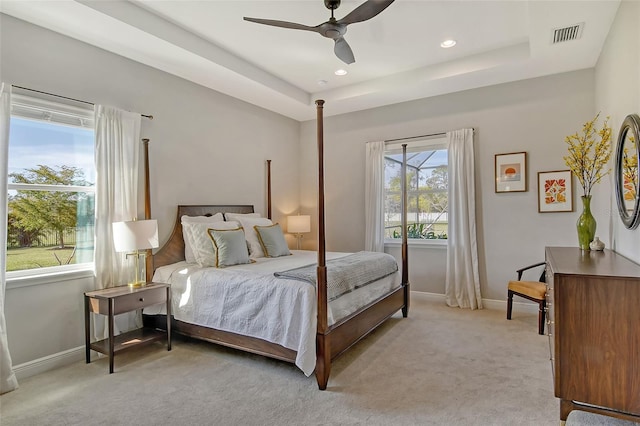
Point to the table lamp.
(133, 236)
(299, 224)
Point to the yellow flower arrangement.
(587, 157)
(630, 171)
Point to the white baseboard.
(49, 362)
(425, 296)
(501, 305)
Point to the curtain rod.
(150, 117)
(421, 136)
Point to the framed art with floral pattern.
(555, 191)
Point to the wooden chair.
(532, 290)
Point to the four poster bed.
(313, 326)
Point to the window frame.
(435, 143)
(49, 109)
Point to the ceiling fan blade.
(282, 24)
(343, 51)
(366, 10)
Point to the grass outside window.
(38, 257)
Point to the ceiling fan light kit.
(335, 29)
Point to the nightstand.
(118, 300)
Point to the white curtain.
(117, 152)
(374, 197)
(462, 284)
(8, 381)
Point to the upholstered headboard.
(173, 250)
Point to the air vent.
(573, 32)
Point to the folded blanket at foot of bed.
(347, 273)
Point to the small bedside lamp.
(133, 236)
(299, 225)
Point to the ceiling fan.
(335, 28)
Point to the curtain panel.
(374, 197)
(117, 153)
(8, 381)
(462, 284)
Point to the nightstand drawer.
(126, 299)
(139, 300)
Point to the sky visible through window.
(34, 143)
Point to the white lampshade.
(135, 235)
(299, 224)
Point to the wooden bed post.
(148, 268)
(323, 346)
(268, 189)
(405, 245)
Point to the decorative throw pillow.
(248, 223)
(229, 247)
(188, 241)
(272, 240)
(203, 253)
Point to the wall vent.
(573, 32)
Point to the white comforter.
(249, 300)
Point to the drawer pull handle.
(142, 299)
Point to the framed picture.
(511, 172)
(555, 191)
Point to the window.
(51, 185)
(427, 184)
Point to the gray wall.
(532, 116)
(617, 88)
(206, 148)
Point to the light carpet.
(440, 366)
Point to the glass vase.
(586, 224)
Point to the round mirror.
(627, 175)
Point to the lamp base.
(139, 273)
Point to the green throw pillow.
(230, 247)
(272, 240)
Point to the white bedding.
(249, 300)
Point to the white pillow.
(236, 216)
(248, 223)
(200, 240)
(188, 241)
(218, 217)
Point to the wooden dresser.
(593, 318)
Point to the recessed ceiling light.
(322, 82)
(341, 72)
(447, 44)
